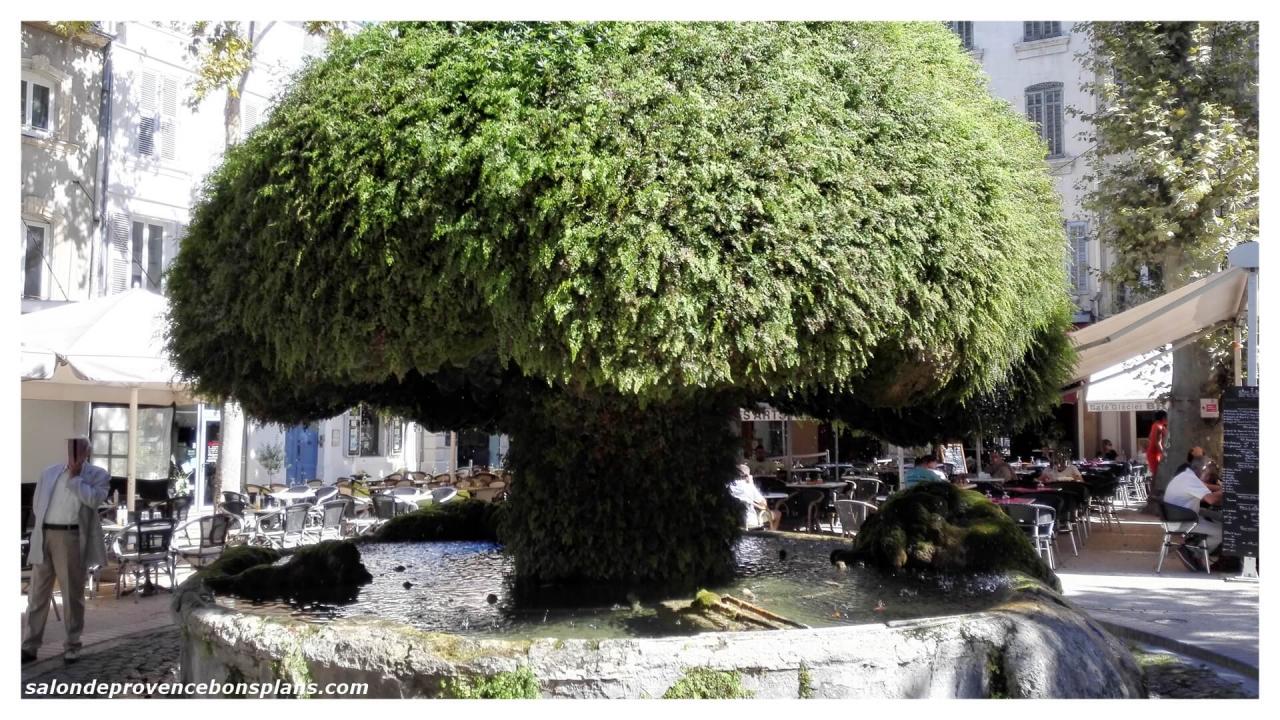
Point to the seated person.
(1061, 471)
(926, 470)
(1196, 459)
(760, 466)
(1187, 490)
(998, 469)
(1109, 451)
(755, 510)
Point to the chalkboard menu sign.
(954, 454)
(1240, 472)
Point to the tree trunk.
(1193, 369)
(610, 498)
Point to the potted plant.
(271, 458)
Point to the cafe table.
(289, 497)
(772, 499)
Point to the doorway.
(301, 451)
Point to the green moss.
(559, 644)
(293, 669)
(936, 526)
(705, 600)
(460, 519)
(997, 683)
(517, 684)
(236, 559)
(806, 683)
(705, 683)
(326, 571)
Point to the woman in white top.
(755, 511)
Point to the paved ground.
(150, 657)
(1201, 617)
(1114, 580)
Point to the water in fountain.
(449, 584)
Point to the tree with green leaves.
(224, 54)
(604, 238)
(1174, 177)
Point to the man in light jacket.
(65, 542)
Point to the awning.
(1134, 385)
(1173, 317)
(766, 413)
(100, 351)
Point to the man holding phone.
(65, 542)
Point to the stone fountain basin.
(1035, 645)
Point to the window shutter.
(1078, 236)
(249, 118)
(119, 253)
(147, 109)
(169, 117)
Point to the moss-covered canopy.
(437, 210)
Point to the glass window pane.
(101, 444)
(39, 106)
(155, 256)
(119, 467)
(33, 266)
(24, 102)
(120, 443)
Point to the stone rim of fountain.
(1034, 644)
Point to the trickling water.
(451, 583)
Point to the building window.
(35, 246)
(964, 29)
(1044, 108)
(146, 262)
(363, 432)
(158, 116)
(37, 104)
(109, 437)
(397, 436)
(1078, 256)
(1040, 30)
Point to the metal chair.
(1062, 508)
(291, 529)
(315, 483)
(208, 543)
(144, 546)
(1180, 521)
(852, 514)
(331, 525)
(233, 496)
(1037, 521)
(384, 507)
(325, 494)
(443, 494)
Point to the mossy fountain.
(998, 632)
(605, 239)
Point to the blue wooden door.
(301, 450)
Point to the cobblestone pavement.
(145, 658)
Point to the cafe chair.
(144, 547)
(1038, 522)
(1180, 523)
(852, 514)
(200, 541)
(331, 521)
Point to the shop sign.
(1208, 407)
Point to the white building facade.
(1035, 66)
(115, 149)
